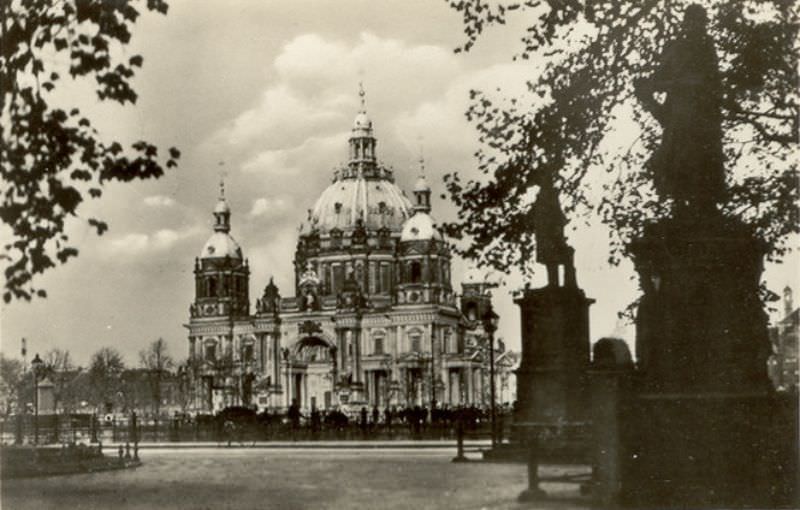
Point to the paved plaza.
(288, 479)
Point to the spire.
(422, 192)
(362, 95)
(222, 212)
(362, 141)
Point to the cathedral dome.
(378, 203)
(221, 244)
(420, 227)
(363, 192)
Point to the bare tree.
(157, 364)
(11, 378)
(105, 375)
(61, 372)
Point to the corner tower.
(221, 273)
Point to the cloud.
(139, 243)
(158, 201)
(285, 162)
(269, 206)
(313, 87)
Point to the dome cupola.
(221, 244)
(421, 227)
(422, 192)
(362, 140)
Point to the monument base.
(709, 450)
(531, 495)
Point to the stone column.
(339, 348)
(276, 359)
(263, 352)
(468, 372)
(357, 336)
(288, 391)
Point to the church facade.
(373, 320)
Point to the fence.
(53, 429)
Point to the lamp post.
(490, 321)
(36, 366)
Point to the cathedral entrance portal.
(314, 383)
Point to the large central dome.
(363, 190)
(377, 202)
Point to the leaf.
(50, 163)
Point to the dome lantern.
(422, 192)
(362, 140)
(222, 212)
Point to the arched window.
(415, 270)
(247, 352)
(212, 286)
(211, 352)
(415, 340)
(378, 345)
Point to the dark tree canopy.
(593, 55)
(51, 157)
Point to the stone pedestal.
(700, 429)
(357, 394)
(700, 324)
(45, 396)
(611, 377)
(555, 355)
(552, 395)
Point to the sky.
(266, 92)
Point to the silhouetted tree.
(589, 57)
(50, 156)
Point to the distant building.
(373, 321)
(783, 365)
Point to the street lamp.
(490, 322)
(36, 367)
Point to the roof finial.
(222, 180)
(421, 159)
(362, 95)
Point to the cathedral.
(374, 320)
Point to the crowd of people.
(414, 421)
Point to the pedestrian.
(315, 422)
(294, 418)
(376, 416)
(364, 421)
(387, 420)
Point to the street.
(287, 479)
